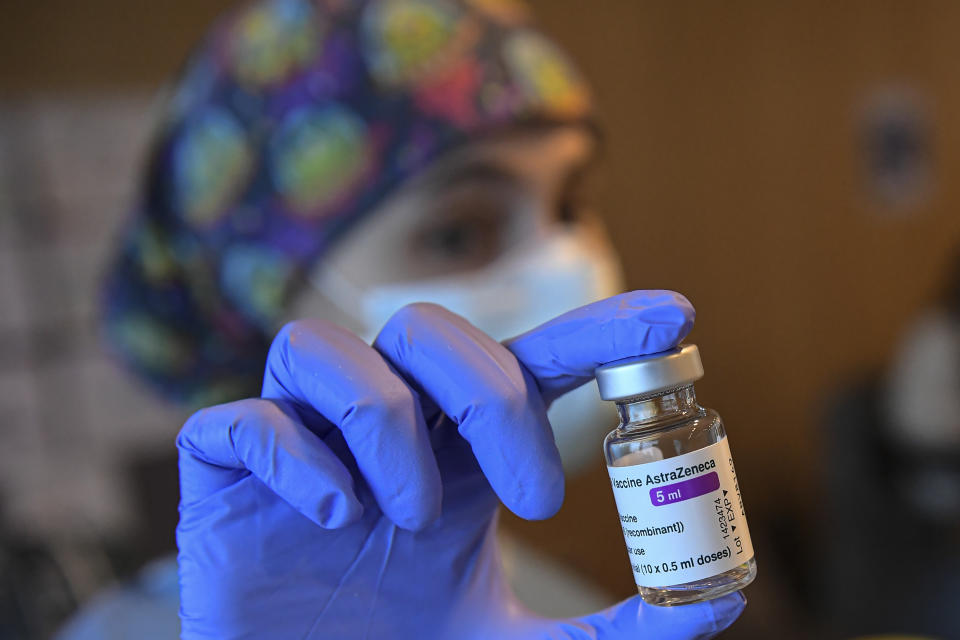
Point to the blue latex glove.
(357, 498)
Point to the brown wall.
(58, 44)
(732, 174)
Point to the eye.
(464, 231)
(457, 237)
(467, 237)
(571, 199)
(568, 210)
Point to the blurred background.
(788, 166)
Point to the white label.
(683, 517)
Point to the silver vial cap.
(653, 373)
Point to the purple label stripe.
(685, 489)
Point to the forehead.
(505, 173)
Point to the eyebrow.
(482, 171)
(452, 172)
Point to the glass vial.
(674, 482)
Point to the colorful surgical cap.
(292, 120)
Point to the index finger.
(562, 353)
(324, 367)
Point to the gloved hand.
(357, 497)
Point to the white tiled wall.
(68, 416)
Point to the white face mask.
(562, 269)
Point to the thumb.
(635, 619)
(562, 353)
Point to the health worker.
(349, 205)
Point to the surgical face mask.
(560, 269)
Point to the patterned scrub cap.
(293, 119)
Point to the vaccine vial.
(673, 481)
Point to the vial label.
(682, 517)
